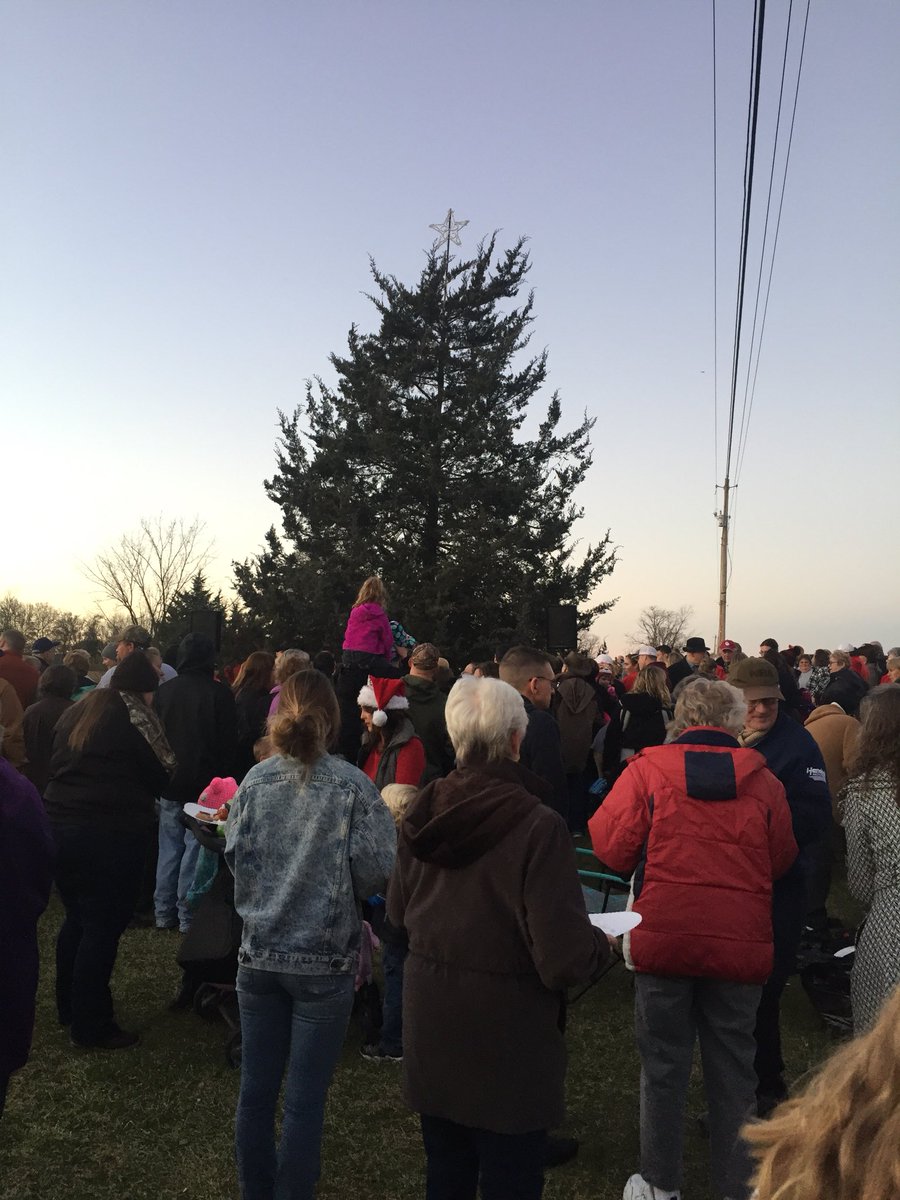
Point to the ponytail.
(308, 718)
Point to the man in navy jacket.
(530, 672)
(793, 757)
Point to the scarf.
(750, 737)
(148, 724)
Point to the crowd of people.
(372, 788)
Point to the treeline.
(196, 606)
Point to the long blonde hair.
(652, 681)
(840, 1137)
(372, 591)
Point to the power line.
(759, 14)
(765, 236)
(742, 441)
(715, 254)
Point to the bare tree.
(68, 629)
(150, 567)
(32, 620)
(14, 613)
(591, 644)
(662, 626)
(42, 617)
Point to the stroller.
(824, 963)
(209, 950)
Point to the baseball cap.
(426, 656)
(728, 644)
(646, 651)
(42, 644)
(756, 678)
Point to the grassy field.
(156, 1121)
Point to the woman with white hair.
(486, 887)
(705, 828)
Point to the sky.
(191, 190)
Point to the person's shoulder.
(798, 734)
(543, 826)
(540, 719)
(338, 769)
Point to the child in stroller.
(208, 952)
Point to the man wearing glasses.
(530, 673)
(793, 757)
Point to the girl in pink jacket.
(368, 634)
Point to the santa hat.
(382, 695)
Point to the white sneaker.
(637, 1188)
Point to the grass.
(156, 1122)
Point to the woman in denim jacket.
(308, 837)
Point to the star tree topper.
(448, 231)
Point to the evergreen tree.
(414, 468)
(194, 599)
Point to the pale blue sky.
(190, 192)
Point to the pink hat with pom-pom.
(382, 695)
(218, 792)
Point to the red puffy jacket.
(706, 828)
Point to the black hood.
(197, 652)
(454, 821)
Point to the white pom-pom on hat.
(382, 695)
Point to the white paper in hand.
(615, 923)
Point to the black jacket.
(252, 711)
(112, 782)
(426, 711)
(541, 753)
(199, 718)
(39, 725)
(678, 671)
(641, 722)
(845, 688)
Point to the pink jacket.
(369, 630)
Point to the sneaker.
(637, 1188)
(376, 1054)
(116, 1039)
(559, 1150)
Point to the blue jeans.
(292, 1023)
(393, 958)
(178, 850)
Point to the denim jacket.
(305, 848)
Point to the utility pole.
(722, 518)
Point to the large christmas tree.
(414, 468)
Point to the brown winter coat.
(486, 887)
(836, 735)
(576, 715)
(11, 714)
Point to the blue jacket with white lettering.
(796, 761)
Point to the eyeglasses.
(769, 702)
(833, 660)
(545, 679)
